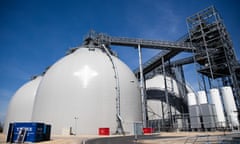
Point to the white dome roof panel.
(83, 85)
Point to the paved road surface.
(162, 138)
(129, 139)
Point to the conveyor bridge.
(100, 38)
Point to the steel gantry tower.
(215, 56)
(170, 49)
(207, 40)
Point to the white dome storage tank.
(79, 91)
(154, 108)
(156, 101)
(202, 97)
(21, 104)
(216, 100)
(158, 82)
(229, 105)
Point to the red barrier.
(103, 131)
(147, 130)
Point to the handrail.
(100, 38)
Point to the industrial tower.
(215, 57)
(212, 52)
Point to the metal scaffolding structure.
(215, 56)
(101, 38)
(212, 52)
(169, 50)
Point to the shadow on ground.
(127, 139)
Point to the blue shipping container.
(30, 132)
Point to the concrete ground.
(162, 138)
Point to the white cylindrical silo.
(202, 97)
(79, 92)
(230, 105)
(21, 104)
(191, 99)
(216, 100)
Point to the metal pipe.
(120, 129)
(166, 90)
(142, 86)
(75, 118)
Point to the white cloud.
(161, 22)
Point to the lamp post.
(76, 118)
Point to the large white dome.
(157, 82)
(21, 104)
(155, 109)
(79, 91)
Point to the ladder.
(21, 135)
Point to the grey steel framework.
(208, 41)
(215, 56)
(170, 49)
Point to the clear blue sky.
(36, 33)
